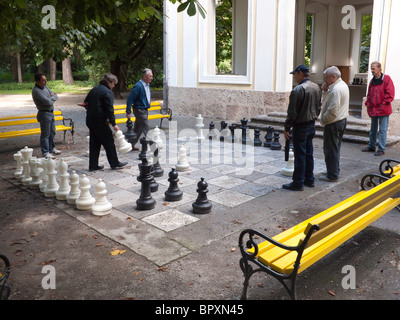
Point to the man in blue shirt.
(139, 100)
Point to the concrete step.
(357, 130)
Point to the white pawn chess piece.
(43, 175)
(199, 127)
(101, 206)
(18, 171)
(123, 145)
(64, 188)
(183, 164)
(26, 155)
(35, 173)
(85, 200)
(289, 167)
(157, 138)
(74, 192)
(52, 185)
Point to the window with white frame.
(224, 42)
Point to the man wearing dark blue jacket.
(139, 100)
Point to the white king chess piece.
(289, 167)
(26, 155)
(123, 145)
(101, 206)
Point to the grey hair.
(109, 78)
(377, 63)
(146, 71)
(333, 71)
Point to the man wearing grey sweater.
(44, 99)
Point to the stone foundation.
(225, 104)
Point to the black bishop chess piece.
(268, 137)
(275, 145)
(143, 151)
(145, 201)
(257, 142)
(202, 205)
(173, 192)
(245, 130)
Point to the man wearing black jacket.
(304, 108)
(99, 104)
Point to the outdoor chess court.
(235, 173)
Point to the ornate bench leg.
(247, 271)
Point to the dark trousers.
(303, 150)
(141, 124)
(101, 135)
(47, 131)
(333, 134)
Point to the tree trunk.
(14, 72)
(116, 70)
(19, 69)
(67, 71)
(52, 69)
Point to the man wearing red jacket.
(379, 106)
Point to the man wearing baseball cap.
(303, 110)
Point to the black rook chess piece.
(145, 201)
(268, 137)
(202, 205)
(275, 145)
(173, 193)
(257, 141)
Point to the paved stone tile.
(169, 220)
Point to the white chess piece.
(35, 173)
(26, 155)
(64, 188)
(289, 167)
(52, 185)
(199, 127)
(85, 200)
(88, 150)
(123, 145)
(101, 206)
(43, 175)
(157, 138)
(183, 164)
(74, 192)
(18, 171)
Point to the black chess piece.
(232, 128)
(130, 135)
(173, 192)
(211, 134)
(145, 201)
(223, 130)
(143, 152)
(257, 141)
(245, 130)
(157, 170)
(202, 205)
(268, 137)
(275, 145)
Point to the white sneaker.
(55, 151)
(49, 155)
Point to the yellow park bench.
(26, 120)
(289, 253)
(155, 112)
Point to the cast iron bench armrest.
(385, 166)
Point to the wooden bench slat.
(27, 121)
(27, 115)
(123, 106)
(329, 243)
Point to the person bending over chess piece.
(99, 104)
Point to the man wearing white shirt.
(334, 113)
(139, 100)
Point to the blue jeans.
(47, 131)
(333, 134)
(303, 150)
(383, 122)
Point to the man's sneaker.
(368, 149)
(96, 168)
(48, 155)
(325, 178)
(380, 153)
(120, 165)
(55, 151)
(292, 186)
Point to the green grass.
(57, 86)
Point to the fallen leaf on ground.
(331, 293)
(116, 252)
